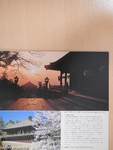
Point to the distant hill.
(29, 86)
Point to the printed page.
(84, 130)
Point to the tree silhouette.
(12, 63)
(12, 58)
(19, 60)
(7, 57)
(11, 122)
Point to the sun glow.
(33, 70)
(32, 67)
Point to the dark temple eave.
(73, 60)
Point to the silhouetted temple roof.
(79, 59)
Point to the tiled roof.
(19, 124)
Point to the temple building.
(25, 132)
(85, 72)
(21, 131)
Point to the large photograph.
(59, 80)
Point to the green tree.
(2, 123)
(11, 122)
(30, 118)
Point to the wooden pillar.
(61, 78)
(65, 78)
(69, 79)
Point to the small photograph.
(47, 130)
(54, 80)
(16, 130)
(28, 130)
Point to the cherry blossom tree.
(47, 130)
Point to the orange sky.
(35, 72)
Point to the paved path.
(30, 104)
(69, 102)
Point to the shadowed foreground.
(69, 102)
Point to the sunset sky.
(35, 70)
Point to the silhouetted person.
(40, 85)
(46, 82)
(16, 79)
